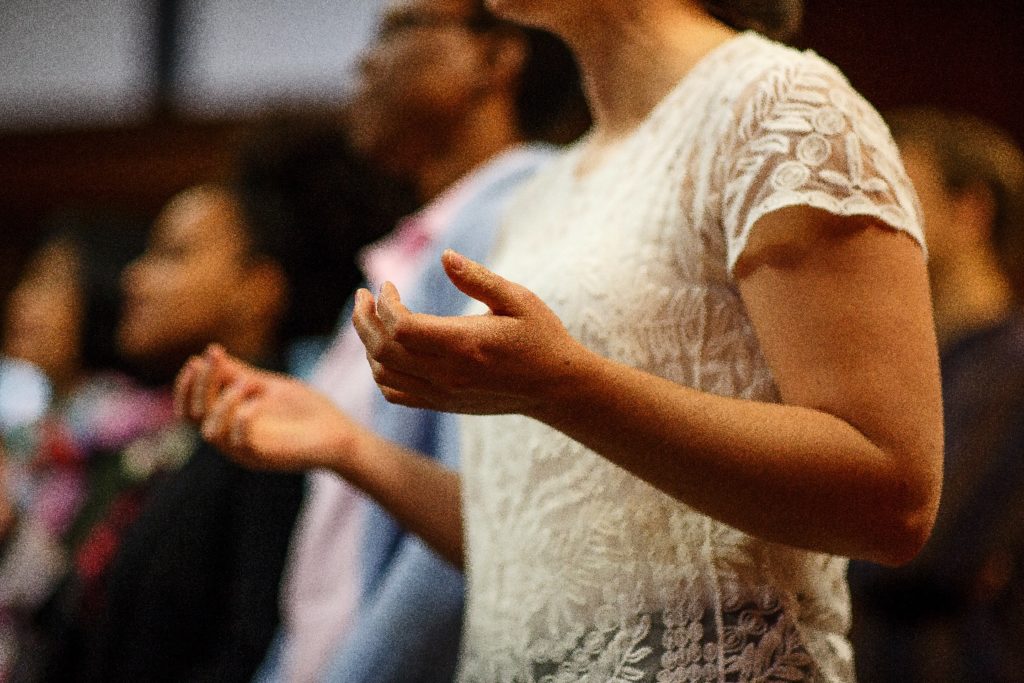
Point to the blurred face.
(546, 14)
(423, 73)
(181, 293)
(44, 314)
(937, 203)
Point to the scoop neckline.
(707, 60)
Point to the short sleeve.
(804, 137)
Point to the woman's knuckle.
(472, 350)
(373, 346)
(380, 373)
(402, 329)
(483, 356)
(459, 383)
(388, 354)
(391, 395)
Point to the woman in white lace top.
(707, 372)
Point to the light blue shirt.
(410, 617)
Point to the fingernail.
(455, 259)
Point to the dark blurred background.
(109, 107)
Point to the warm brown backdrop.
(963, 54)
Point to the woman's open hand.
(508, 360)
(261, 419)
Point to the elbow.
(903, 541)
(907, 524)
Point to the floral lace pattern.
(807, 139)
(577, 570)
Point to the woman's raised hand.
(514, 359)
(261, 419)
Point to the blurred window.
(76, 62)
(237, 56)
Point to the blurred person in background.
(457, 102)
(179, 580)
(968, 174)
(957, 612)
(61, 318)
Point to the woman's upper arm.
(842, 312)
(824, 241)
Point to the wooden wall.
(118, 171)
(957, 53)
(962, 54)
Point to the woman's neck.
(489, 128)
(636, 55)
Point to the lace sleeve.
(804, 137)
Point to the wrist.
(350, 452)
(568, 383)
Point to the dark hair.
(103, 246)
(967, 151)
(550, 104)
(777, 19)
(309, 203)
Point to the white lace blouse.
(577, 570)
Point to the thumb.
(500, 295)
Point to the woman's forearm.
(423, 495)
(264, 420)
(783, 473)
(850, 464)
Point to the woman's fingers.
(368, 325)
(390, 309)
(211, 378)
(222, 411)
(502, 296)
(439, 362)
(417, 352)
(200, 383)
(230, 368)
(238, 426)
(435, 337)
(390, 378)
(409, 400)
(395, 321)
(379, 323)
(424, 337)
(183, 386)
